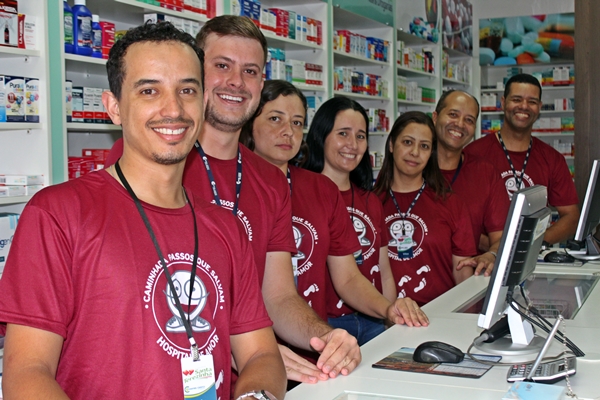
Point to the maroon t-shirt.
(366, 214)
(82, 265)
(483, 193)
(264, 209)
(545, 166)
(434, 230)
(322, 228)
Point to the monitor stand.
(520, 346)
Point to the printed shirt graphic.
(104, 285)
(434, 231)
(322, 228)
(367, 220)
(545, 166)
(264, 208)
(480, 188)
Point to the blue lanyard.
(457, 170)
(403, 215)
(213, 183)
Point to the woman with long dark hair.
(338, 142)
(429, 228)
(324, 234)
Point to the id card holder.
(405, 245)
(358, 257)
(198, 378)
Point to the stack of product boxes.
(294, 71)
(84, 104)
(346, 79)
(19, 29)
(20, 185)
(419, 60)
(186, 25)
(285, 23)
(411, 91)
(8, 224)
(313, 104)
(459, 71)
(360, 45)
(378, 120)
(90, 160)
(19, 99)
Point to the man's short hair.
(522, 78)
(232, 25)
(149, 32)
(441, 104)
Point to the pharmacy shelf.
(456, 54)
(376, 168)
(378, 133)
(411, 40)
(309, 88)
(453, 81)
(554, 134)
(92, 128)
(19, 126)
(568, 157)
(85, 65)
(119, 4)
(341, 58)
(408, 72)
(544, 89)
(359, 96)
(414, 103)
(288, 44)
(6, 52)
(14, 200)
(546, 112)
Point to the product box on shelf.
(88, 104)
(9, 23)
(2, 100)
(8, 225)
(32, 100)
(8, 179)
(27, 38)
(98, 155)
(77, 104)
(80, 166)
(108, 37)
(15, 94)
(69, 100)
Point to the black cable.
(559, 335)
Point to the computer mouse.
(559, 257)
(437, 352)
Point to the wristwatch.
(262, 394)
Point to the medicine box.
(11, 191)
(6, 179)
(77, 102)
(108, 37)
(32, 100)
(9, 22)
(69, 100)
(15, 94)
(88, 104)
(8, 224)
(2, 100)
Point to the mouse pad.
(402, 360)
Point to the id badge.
(405, 247)
(358, 256)
(198, 378)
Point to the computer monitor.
(590, 215)
(523, 234)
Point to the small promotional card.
(198, 378)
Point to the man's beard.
(222, 122)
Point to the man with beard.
(475, 181)
(523, 160)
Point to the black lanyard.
(457, 170)
(352, 212)
(518, 179)
(403, 216)
(213, 183)
(289, 178)
(138, 204)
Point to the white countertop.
(460, 330)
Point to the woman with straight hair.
(324, 234)
(338, 142)
(429, 228)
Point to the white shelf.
(455, 54)
(14, 200)
(415, 103)
(554, 134)
(376, 168)
(541, 112)
(343, 57)
(16, 52)
(150, 8)
(408, 72)
(453, 81)
(378, 133)
(567, 157)
(287, 43)
(544, 89)
(17, 126)
(411, 40)
(359, 96)
(309, 88)
(92, 128)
